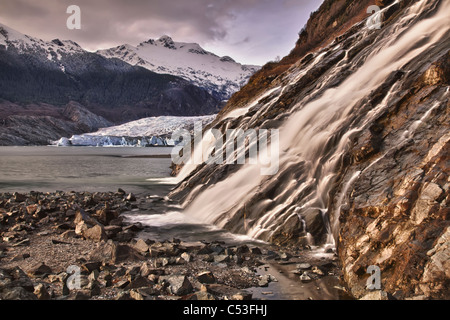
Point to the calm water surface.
(48, 169)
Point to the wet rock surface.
(386, 198)
(100, 263)
(396, 212)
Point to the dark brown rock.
(96, 233)
(139, 282)
(19, 197)
(41, 292)
(112, 230)
(124, 252)
(141, 246)
(17, 293)
(131, 197)
(206, 277)
(41, 270)
(92, 266)
(20, 279)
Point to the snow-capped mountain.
(53, 50)
(221, 76)
(57, 72)
(154, 131)
(39, 79)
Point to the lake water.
(138, 170)
(91, 169)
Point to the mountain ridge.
(221, 76)
(56, 73)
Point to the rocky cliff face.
(396, 213)
(364, 147)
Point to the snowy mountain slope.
(57, 72)
(38, 79)
(221, 76)
(53, 50)
(141, 133)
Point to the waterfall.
(317, 132)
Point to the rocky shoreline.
(76, 246)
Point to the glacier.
(147, 132)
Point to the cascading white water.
(317, 134)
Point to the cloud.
(228, 25)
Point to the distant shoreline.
(155, 156)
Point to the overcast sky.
(250, 31)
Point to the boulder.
(124, 236)
(304, 266)
(221, 258)
(41, 270)
(106, 279)
(122, 253)
(94, 288)
(141, 246)
(18, 197)
(80, 228)
(96, 233)
(437, 269)
(20, 279)
(94, 275)
(17, 293)
(139, 282)
(186, 257)
(91, 266)
(122, 284)
(31, 209)
(82, 215)
(242, 249)
(105, 216)
(147, 270)
(112, 230)
(264, 281)
(256, 251)
(41, 292)
(206, 277)
(376, 295)
(284, 256)
(306, 277)
(131, 197)
(178, 284)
